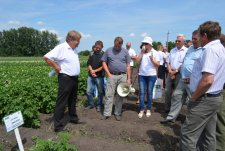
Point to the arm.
(105, 67)
(91, 71)
(53, 64)
(138, 58)
(204, 84)
(128, 73)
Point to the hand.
(129, 81)
(94, 75)
(57, 69)
(172, 77)
(92, 71)
(143, 49)
(151, 58)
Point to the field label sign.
(13, 121)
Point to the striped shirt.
(212, 60)
(189, 59)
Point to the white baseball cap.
(148, 40)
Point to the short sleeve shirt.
(212, 60)
(66, 58)
(116, 60)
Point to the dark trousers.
(67, 94)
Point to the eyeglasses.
(177, 41)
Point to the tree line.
(26, 41)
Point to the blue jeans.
(146, 82)
(92, 83)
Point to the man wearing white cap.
(148, 61)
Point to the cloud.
(87, 36)
(14, 22)
(131, 34)
(50, 30)
(144, 34)
(41, 23)
(43, 29)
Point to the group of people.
(195, 77)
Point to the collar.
(217, 41)
(181, 49)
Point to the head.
(147, 42)
(73, 38)
(209, 31)
(118, 42)
(180, 41)
(164, 49)
(222, 39)
(188, 43)
(93, 48)
(195, 39)
(98, 45)
(128, 45)
(160, 48)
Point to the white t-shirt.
(162, 57)
(131, 53)
(147, 68)
(66, 58)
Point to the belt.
(118, 73)
(63, 74)
(210, 95)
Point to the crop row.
(26, 86)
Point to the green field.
(26, 86)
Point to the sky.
(106, 19)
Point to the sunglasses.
(144, 43)
(177, 41)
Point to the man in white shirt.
(64, 59)
(206, 84)
(133, 56)
(175, 60)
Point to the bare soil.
(94, 134)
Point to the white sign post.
(12, 122)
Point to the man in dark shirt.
(95, 76)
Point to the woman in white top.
(148, 61)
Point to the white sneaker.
(140, 115)
(148, 113)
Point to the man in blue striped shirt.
(206, 84)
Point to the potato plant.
(26, 86)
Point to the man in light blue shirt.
(182, 90)
(206, 83)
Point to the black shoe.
(62, 130)
(89, 107)
(167, 111)
(118, 117)
(167, 122)
(104, 117)
(75, 121)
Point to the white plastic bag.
(157, 90)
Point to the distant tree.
(156, 44)
(171, 45)
(26, 41)
(84, 53)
